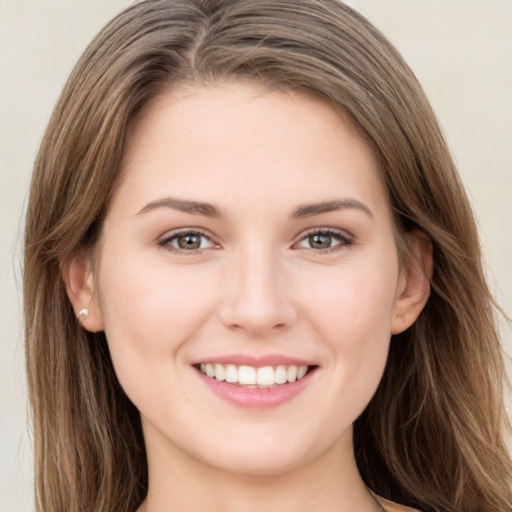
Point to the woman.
(252, 276)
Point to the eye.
(187, 241)
(324, 240)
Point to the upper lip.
(255, 361)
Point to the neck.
(329, 482)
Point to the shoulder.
(389, 506)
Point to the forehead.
(240, 138)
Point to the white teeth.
(301, 372)
(265, 376)
(244, 375)
(291, 373)
(280, 375)
(210, 371)
(220, 372)
(231, 373)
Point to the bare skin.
(249, 224)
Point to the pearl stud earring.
(83, 314)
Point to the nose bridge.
(257, 298)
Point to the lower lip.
(256, 398)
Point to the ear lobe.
(78, 279)
(413, 289)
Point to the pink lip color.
(255, 361)
(255, 398)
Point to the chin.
(260, 455)
(258, 465)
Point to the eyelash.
(344, 239)
(167, 241)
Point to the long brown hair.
(433, 435)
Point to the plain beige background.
(461, 50)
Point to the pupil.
(320, 241)
(189, 242)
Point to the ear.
(78, 277)
(413, 288)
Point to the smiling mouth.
(255, 377)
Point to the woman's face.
(250, 238)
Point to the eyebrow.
(209, 210)
(182, 205)
(309, 210)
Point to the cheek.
(149, 310)
(354, 302)
(351, 314)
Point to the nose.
(257, 299)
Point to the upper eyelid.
(325, 230)
(164, 240)
(342, 233)
(184, 231)
(345, 239)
